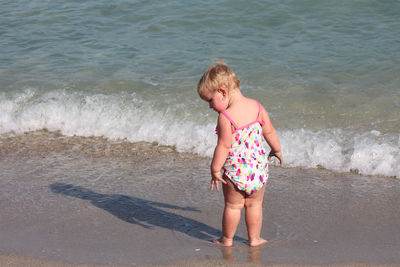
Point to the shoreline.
(41, 142)
(143, 204)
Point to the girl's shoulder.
(253, 104)
(247, 103)
(261, 111)
(244, 112)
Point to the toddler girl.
(242, 122)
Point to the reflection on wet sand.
(253, 254)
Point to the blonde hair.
(216, 76)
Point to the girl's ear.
(223, 91)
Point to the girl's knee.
(253, 203)
(234, 205)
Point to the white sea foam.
(366, 153)
(126, 116)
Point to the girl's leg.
(253, 206)
(234, 202)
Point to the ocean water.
(326, 71)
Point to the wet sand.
(17, 261)
(91, 201)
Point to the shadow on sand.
(145, 213)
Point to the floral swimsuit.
(247, 164)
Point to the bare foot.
(223, 242)
(257, 242)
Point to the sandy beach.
(75, 200)
(16, 261)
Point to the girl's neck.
(234, 97)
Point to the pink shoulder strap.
(229, 118)
(259, 110)
(258, 116)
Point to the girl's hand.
(277, 154)
(215, 177)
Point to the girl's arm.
(271, 137)
(221, 151)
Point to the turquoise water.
(327, 72)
